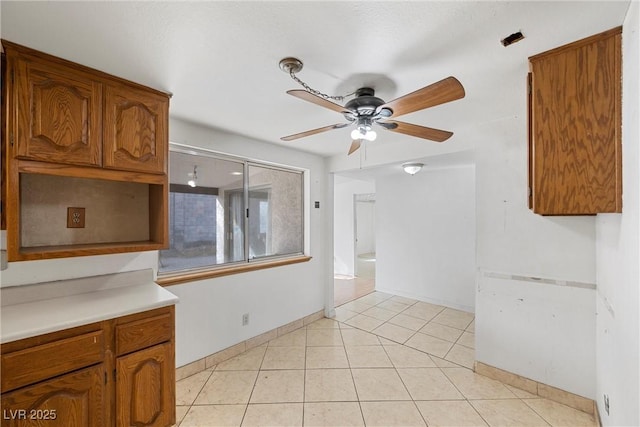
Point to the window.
(225, 211)
(275, 211)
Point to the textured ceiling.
(220, 59)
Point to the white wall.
(425, 235)
(365, 226)
(209, 314)
(538, 329)
(618, 260)
(511, 240)
(343, 247)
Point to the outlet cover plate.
(75, 217)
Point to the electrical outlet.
(75, 217)
(606, 403)
(245, 319)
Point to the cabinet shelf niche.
(120, 216)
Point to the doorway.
(364, 228)
(362, 281)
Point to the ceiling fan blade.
(313, 131)
(445, 90)
(308, 96)
(431, 134)
(354, 146)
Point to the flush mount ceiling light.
(193, 181)
(412, 168)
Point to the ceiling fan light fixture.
(412, 168)
(364, 130)
(363, 133)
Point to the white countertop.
(68, 304)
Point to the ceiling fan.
(366, 110)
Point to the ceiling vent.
(511, 39)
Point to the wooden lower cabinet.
(102, 388)
(71, 400)
(145, 392)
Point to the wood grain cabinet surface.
(66, 113)
(76, 399)
(145, 393)
(575, 127)
(93, 132)
(59, 113)
(84, 383)
(135, 130)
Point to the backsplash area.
(113, 210)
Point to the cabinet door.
(59, 115)
(145, 387)
(575, 149)
(73, 400)
(135, 129)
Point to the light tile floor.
(384, 361)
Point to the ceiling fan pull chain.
(316, 92)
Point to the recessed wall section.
(115, 211)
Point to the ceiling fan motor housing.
(365, 103)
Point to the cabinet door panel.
(59, 115)
(72, 400)
(135, 134)
(575, 140)
(145, 388)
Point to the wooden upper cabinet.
(65, 113)
(69, 127)
(136, 130)
(575, 127)
(59, 114)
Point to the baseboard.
(229, 352)
(436, 301)
(537, 388)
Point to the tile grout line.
(246, 408)
(536, 412)
(416, 332)
(304, 378)
(353, 379)
(478, 412)
(199, 391)
(395, 368)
